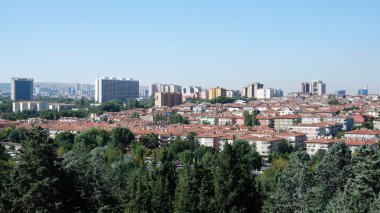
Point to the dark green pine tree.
(121, 137)
(247, 118)
(37, 184)
(141, 197)
(164, 179)
(235, 189)
(361, 190)
(375, 206)
(86, 170)
(195, 190)
(331, 176)
(292, 187)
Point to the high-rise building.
(305, 88)
(112, 88)
(363, 91)
(216, 92)
(168, 99)
(317, 88)
(340, 93)
(250, 91)
(266, 93)
(154, 88)
(244, 92)
(21, 89)
(174, 88)
(232, 93)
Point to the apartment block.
(29, 106)
(116, 88)
(216, 92)
(168, 99)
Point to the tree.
(65, 140)
(292, 186)
(4, 133)
(92, 138)
(331, 176)
(150, 141)
(132, 103)
(164, 178)
(17, 135)
(141, 197)
(112, 106)
(194, 192)
(86, 170)
(247, 118)
(178, 119)
(333, 102)
(121, 137)
(36, 183)
(254, 119)
(362, 189)
(235, 189)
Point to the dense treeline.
(112, 172)
(100, 171)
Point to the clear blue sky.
(209, 43)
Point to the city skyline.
(225, 44)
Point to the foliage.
(150, 141)
(177, 119)
(121, 137)
(36, 183)
(111, 106)
(333, 102)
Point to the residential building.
(21, 89)
(174, 88)
(154, 88)
(347, 122)
(244, 92)
(285, 122)
(29, 106)
(203, 94)
(354, 145)
(266, 93)
(60, 106)
(216, 92)
(340, 93)
(313, 145)
(232, 93)
(363, 134)
(305, 88)
(318, 88)
(250, 91)
(168, 99)
(113, 88)
(363, 91)
(318, 130)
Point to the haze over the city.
(209, 43)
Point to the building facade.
(113, 88)
(21, 89)
(363, 91)
(216, 92)
(251, 90)
(318, 88)
(29, 106)
(305, 88)
(168, 99)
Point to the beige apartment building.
(168, 99)
(216, 92)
